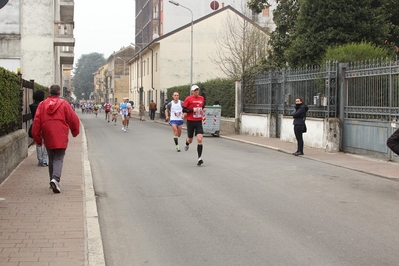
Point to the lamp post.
(124, 68)
(191, 74)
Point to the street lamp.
(191, 74)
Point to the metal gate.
(370, 96)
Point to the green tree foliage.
(222, 90)
(258, 5)
(83, 74)
(391, 7)
(354, 52)
(284, 17)
(324, 23)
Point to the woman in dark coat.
(41, 151)
(299, 116)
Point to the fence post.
(342, 101)
(238, 107)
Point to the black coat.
(299, 114)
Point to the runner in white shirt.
(124, 113)
(174, 111)
(129, 109)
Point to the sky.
(103, 26)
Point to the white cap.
(194, 87)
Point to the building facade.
(36, 39)
(165, 62)
(158, 17)
(117, 75)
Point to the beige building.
(117, 75)
(166, 61)
(100, 85)
(36, 37)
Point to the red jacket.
(54, 117)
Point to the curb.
(94, 245)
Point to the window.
(266, 12)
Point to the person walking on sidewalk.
(299, 116)
(141, 111)
(393, 142)
(175, 109)
(53, 120)
(193, 109)
(41, 151)
(153, 109)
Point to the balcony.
(63, 34)
(67, 10)
(66, 55)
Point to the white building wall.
(37, 42)
(10, 37)
(175, 53)
(177, 16)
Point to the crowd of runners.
(176, 111)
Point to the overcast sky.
(103, 26)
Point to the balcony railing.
(63, 34)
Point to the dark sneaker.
(298, 153)
(200, 161)
(186, 148)
(55, 186)
(177, 149)
(45, 164)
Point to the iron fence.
(372, 90)
(276, 91)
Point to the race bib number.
(199, 113)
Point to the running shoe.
(55, 186)
(200, 161)
(186, 148)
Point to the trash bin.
(211, 120)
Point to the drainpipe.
(152, 68)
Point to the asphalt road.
(246, 205)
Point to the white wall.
(255, 125)
(37, 41)
(313, 138)
(321, 133)
(177, 16)
(175, 53)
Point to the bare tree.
(240, 44)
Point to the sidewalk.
(38, 227)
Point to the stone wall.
(13, 150)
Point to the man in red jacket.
(54, 117)
(194, 109)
